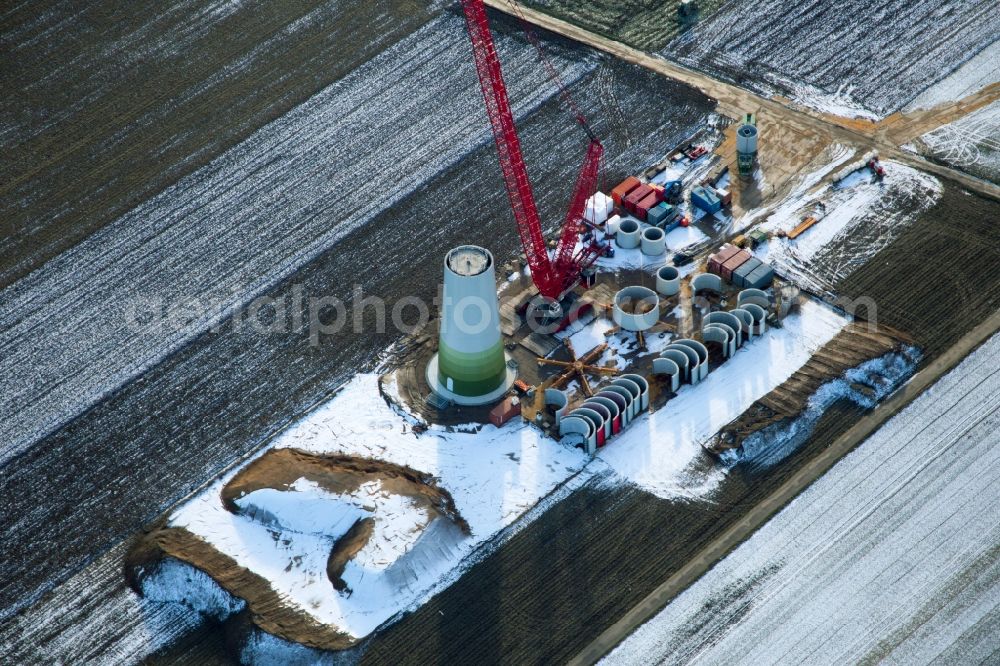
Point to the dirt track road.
(885, 135)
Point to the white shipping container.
(613, 223)
(609, 204)
(599, 207)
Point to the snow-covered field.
(245, 221)
(978, 72)
(862, 217)
(971, 143)
(494, 476)
(94, 618)
(892, 555)
(852, 58)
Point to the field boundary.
(803, 478)
(866, 133)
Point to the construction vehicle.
(681, 259)
(756, 238)
(693, 152)
(553, 276)
(673, 192)
(876, 168)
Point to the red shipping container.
(507, 409)
(642, 208)
(725, 253)
(733, 263)
(658, 191)
(624, 188)
(635, 196)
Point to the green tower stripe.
(472, 374)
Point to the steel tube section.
(636, 308)
(694, 361)
(668, 281)
(706, 282)
(643, 385)
(628, 237)
(577, 425)
(596, 419)
(470, 367)
(680, 358)
(746, 322)
(722, 334)
(702, 356)
(759, 315)
(626, 396)
(729, 319)
(558, 401)
(653, 242)
(666, 366)
(621, 406)
(755, 296)
(635, 392)
(606, 413)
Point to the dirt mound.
(279, 469)
(266, 607)
(854, 345)
(339, 474)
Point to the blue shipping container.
(705, 200)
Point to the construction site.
(672, 292)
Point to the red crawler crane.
(552, 276)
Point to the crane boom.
(551, 279)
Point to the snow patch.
(862, 217)
(662, 452)
(881, 376)
(494, 476)
(176, 582)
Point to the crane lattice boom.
(551, 277)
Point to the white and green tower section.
(470, 367)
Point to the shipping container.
(705, 200)
(731, 264)
(505, 410)
(635, 196)
(722, 256)
(643, 207)
(741, 273)
(761, 278)
(624, 188)
(661, 213)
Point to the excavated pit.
(280, 469)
